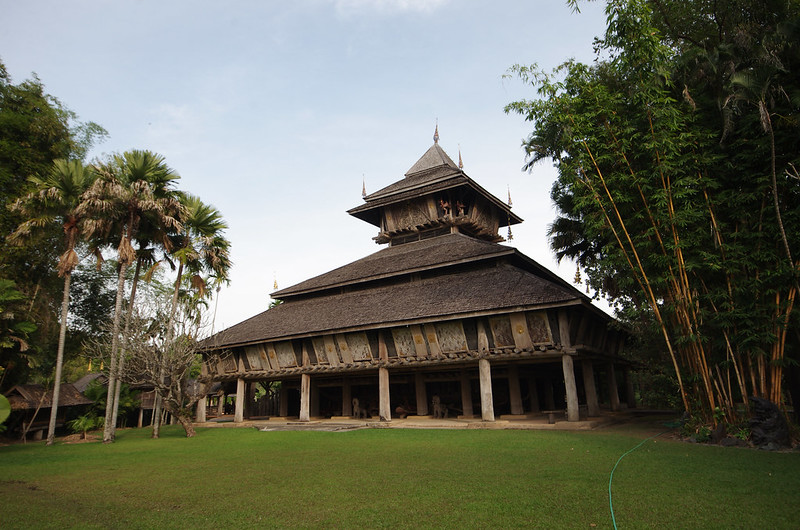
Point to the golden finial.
(363, 187)
(275, 281)
(460, 162)
(509, 197)
(436, 133)
(577, 279)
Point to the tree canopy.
(677, 190)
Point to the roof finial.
(274, 280)
(436, 132)
(509, 196)
(363, 187)
(460, 162)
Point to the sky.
(275, 112)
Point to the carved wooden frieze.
(501, 331)
(359, 346)
(404, 342)
(451, 336)
(539, 327)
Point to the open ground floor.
(515, 388)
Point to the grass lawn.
(227, 478)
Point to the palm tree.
(133, 186)
(57, 199)
(200, 248)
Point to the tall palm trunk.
(62, 338)
(109, 429)
(170, 334)
(121, 362)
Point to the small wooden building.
(444, 320)
(31, 404)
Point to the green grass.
(226, 478)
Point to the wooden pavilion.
(444, 320)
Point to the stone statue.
(359, 412)
(439, 408)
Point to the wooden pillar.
(221, 403)
(549, 402)
(200, 413)
(305, 396)
(533, 395)
(466, 396)
(283, 401)
(422, 395)
(613, 392)
(385, 407)
(347, 398)
(630, 395)
(592, 405)
(487, 403)
(514, 393)
(141, 418)
(571, 387)
(238, 416)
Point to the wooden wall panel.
(501, 331)
(285, 351)
(419, 341)
(433, 341)
(319, 349)
(253, 354)
(519, 327)
(539, 327)
(403, 342)
(451, 336)
(359, 346)
(344, 349)
(272, 355)
(330, 351)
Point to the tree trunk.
(62, 337)
(109, 429)
(186, 423)
(121, 362)
(170, 335)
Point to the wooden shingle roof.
(29, 397)
(463, 276)
(428, 254)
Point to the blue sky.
(275, 111)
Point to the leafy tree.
(133, 186)
(55, 200)
(165, 360)
(14, 329)
(35, 130)
(669, 148)
(201, 247)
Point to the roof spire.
(436, 132)
(509, 196)
(460, 162)
(363, 187)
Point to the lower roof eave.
(408, 322)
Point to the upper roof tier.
(434, 196)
